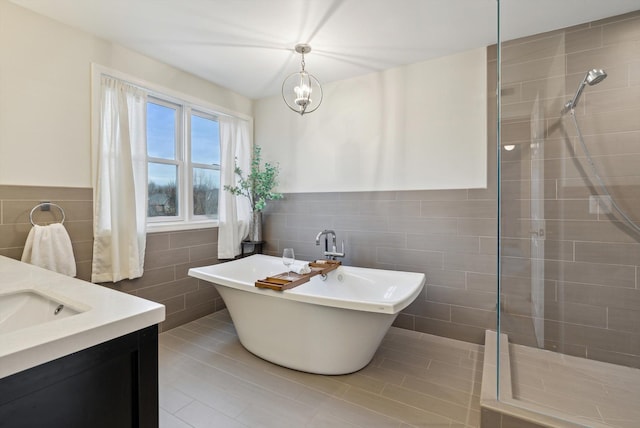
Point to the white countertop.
(106, 314)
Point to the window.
(183, 153)
(183, 156)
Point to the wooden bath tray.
(282, 281)
(323, 266)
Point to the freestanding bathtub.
(326, 327)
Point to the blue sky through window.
(161, 174)
(161, 131)
(205, 141)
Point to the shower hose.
(601, 184)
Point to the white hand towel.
(50, 247)
(300, 267)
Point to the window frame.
(155, 91)
(184, 111)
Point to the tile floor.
(589, 392)
(207, 379)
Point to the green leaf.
(259, 184)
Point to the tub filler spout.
(331, 255)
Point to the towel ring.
(46, 204)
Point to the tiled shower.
(569, 261)
(584, 262)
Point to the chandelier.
(301, 91)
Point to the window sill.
(174, 227)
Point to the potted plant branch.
(258, 188)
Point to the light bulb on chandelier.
(301, 91)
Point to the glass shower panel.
(532, 95)
(569, 192)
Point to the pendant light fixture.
(302, 91)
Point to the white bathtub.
(325, 327)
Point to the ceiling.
(247, 45)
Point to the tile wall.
(168, 256)
(16, 203)
(449, 235)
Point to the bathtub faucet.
(334, 250)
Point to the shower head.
(593, 77)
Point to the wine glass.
(288, 257)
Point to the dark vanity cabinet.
(111, 385)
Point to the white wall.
(421, 126)
(45, 87)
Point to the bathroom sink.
(28, 308)
(34, 329)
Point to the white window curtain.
(234, 212)
(120, 197)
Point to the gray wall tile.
(202, 252)
(475, 317)
(448, 278)
(626, 254)
(440, 226)
(420, 259)
(191, 238)
(477, 227)
(163, 258)
(361, 222)
(174, 304)
(479, 263)
(614, 357)
(591, 273)
(449, 329)
(458, 297)
(602, 295)
(458, 244)
(623, 319)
